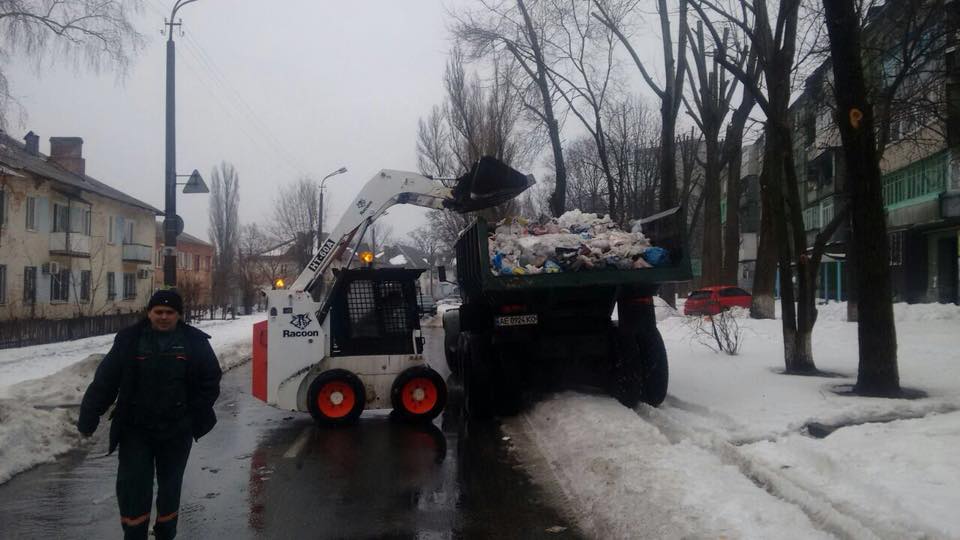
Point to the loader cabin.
(375, 312)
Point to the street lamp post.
(341, 170)
(171, 225)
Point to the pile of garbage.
(574, 242)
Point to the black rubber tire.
(626, 374)
(640, 371)
(342, 375)
(477, 399)
(656, 370)
(396, 397)
(506, 381)
(451, 340)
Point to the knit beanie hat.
(166, 297)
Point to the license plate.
(515, 320)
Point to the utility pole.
(171, 222)
(341, 170)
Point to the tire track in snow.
(842, 522)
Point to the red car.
(713, 300)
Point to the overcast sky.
(280, 89)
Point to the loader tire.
(419, 394)
(640, 371)
(336, 397)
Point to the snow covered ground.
(41, 388)
(728, 454)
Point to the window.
(921, 180)
(29, 285)
(896, 248)
(699, 295)
(129, 285)
(207, 268)
(196, 262)
(129, 226)
(31, 214)
(159, 258)
(3, 284)
(60, 286)
(61, 218)
(84, 285)
(733, 291)
(181, 260)
(111, 285)
(111, 235)
(87, 222)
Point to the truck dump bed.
(476, 278)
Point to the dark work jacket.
(117, 379)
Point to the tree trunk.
(731, 230)
(712, 229)
(878, 371)
(765, 267)
(558, 198)
(668, 155)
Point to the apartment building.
(70, 245)
(920, 165)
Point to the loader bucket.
(488, 183)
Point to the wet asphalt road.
(265, 473)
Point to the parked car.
(713, 300)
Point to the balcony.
(137, 253)
(69, 244)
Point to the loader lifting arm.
(488, 183)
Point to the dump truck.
(519, 333)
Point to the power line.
(253, 116)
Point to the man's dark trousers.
(142, 454)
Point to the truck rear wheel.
(418, 394)
(336, 397)
(477, 399)
(640, 371)
(656, 373)
(451, 340)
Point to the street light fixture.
(172, 224)
(341, 170)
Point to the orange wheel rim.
(336, 399)
(419, 395)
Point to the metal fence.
(25, 332)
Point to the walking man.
(165, 379)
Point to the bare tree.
(430, 244)
(295, 215)
(475, 120)
(633, 142)
(251, 275)
(224, 229)
(98, 33)
(612, 14)
(776, 43)
(878, 372)
(712, 92)
(584, 76)
(508, 26)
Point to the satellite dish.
(196, 184)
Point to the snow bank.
(892, 473)
(37, 416)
